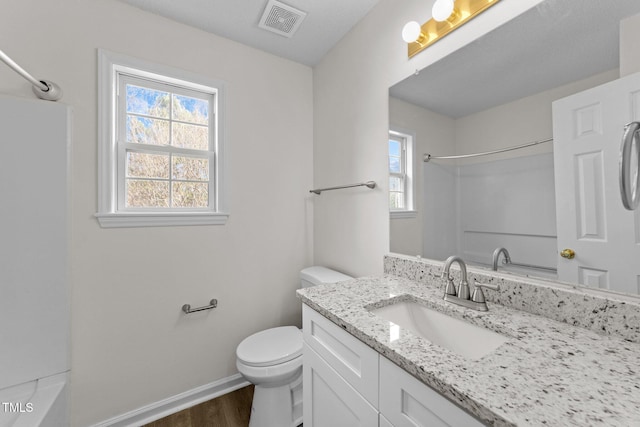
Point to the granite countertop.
(547, 373)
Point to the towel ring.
(630, 179)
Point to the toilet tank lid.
(319, 275)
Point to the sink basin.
(458, 336)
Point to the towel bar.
(188, 310)
(369, 184)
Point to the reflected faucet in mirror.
(496, 255)
(507, 261)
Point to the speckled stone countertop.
(547, 373)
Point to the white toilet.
(272, 361)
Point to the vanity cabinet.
(329, 400)
(384, 422)
(347, 383)
(407, 402)
(340, 376)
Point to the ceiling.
(326, 22)
(555, 43)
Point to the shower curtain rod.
(42, 88)
(428, 156)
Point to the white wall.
(629, 36)
(131, 345)
(351, 228)
(518, 122)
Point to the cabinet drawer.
(405, 401)
(351, 358)
(329, 401)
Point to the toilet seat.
(270, 347)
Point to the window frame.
(407, 139)
(124, 147)
(113, 69)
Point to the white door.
(591, 220)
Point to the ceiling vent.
(281, 18)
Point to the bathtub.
(39, 403)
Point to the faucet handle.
(450, 288)
(478, 295)
(463, 290)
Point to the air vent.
(281, 18)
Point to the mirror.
(494, 93)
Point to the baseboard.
(171, 405)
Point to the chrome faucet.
(460, 295)
(462, 291)
(496, 255)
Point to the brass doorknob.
(568, 253)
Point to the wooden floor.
(230, 410)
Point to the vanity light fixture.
(412, 32)
(447, 16)
(442, 10)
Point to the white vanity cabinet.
(384, 422)
(340, 376)
(329, 400)
(407, 402)
(347, 383)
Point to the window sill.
(168, 219)
(403, 214)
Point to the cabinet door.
(328, 400)
(356, 362)
(384, 422)
(407, 402)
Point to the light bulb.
(442, 9)
(411, 32)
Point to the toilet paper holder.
(188, 310)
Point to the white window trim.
(409, 211)
(401, 214)
(108, 215)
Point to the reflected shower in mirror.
(497, 92)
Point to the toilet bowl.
(272, 361)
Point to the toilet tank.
(318, 275)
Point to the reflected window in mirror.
(401, 174)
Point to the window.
(401, 174)
(161, 146)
